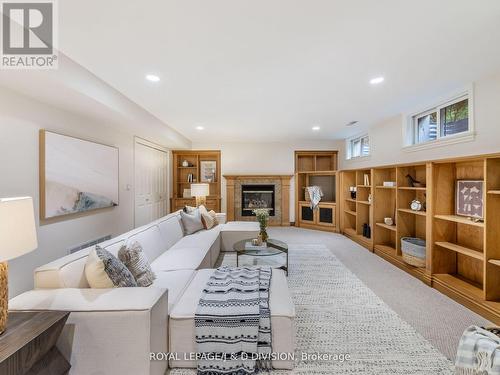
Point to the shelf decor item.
(388, 221)
(469, 198)
(353, 190)
(413, 250)
(262, 215)
(200, 192)
(17, 237)
(185, 163)
(389, 183)
(416, 205)
(413, 183)
(208, 169)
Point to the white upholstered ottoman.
(235, 231)
(182, 329)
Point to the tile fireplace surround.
(281, 184)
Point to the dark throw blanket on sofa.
(233, 322)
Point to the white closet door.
(151, 184)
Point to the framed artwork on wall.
(469, 198)
(76, 175)
(208, 170)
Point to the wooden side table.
(28, 345)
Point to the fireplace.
(257, 196)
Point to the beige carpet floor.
(436, 317)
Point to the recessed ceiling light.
(316, 128)
(376, 80)
(199, 127)
(152, 78)
(351, 123)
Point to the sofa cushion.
(203, 239)
(175, 281)
(151, 241)
(137, 263)
(104, 270)
(188, 258)
(170, 229)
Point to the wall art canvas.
(76, 175)
(469, 198)
(208, 170)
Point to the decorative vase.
(185, 163)
(263, 233)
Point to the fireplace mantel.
(282, 195)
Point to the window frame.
(410, 127)
(350, 147)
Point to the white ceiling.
(270, 70)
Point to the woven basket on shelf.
(413, 250)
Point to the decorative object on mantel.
(413, 183)
(413, 250)
(200, 192)
(469, 199)
(353, 191)
(416, 205)
(17, 237)
(28, 347)
(389, 183)
(262, 215)
(76, 175)
(208, 169)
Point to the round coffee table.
(273, 247)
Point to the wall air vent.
(82, 246)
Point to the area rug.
(338, 317)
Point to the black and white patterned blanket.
(233, 322)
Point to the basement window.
(358, 147)
(446, 123)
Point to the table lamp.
(17, 237)
(200, 192)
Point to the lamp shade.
(200, 190)
(17, 227)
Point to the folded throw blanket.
(315, 194)
(478, 353)
(233, 322)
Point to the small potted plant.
(262, 215)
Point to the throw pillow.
(189, 209)
(209, 219)
(137, 263)
(191, 222)
(104, 270)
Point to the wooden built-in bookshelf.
(462, 255)
(180, 180)
(316, 168)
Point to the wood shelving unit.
(358, 211)
(316, 168)
(180, 178)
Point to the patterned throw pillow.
(209, 218)
(104, 270)
(137, 263)
(191, 222)
(189, 209)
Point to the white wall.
(20, 120)
(262, 158)
(386, 138)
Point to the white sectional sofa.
(114, 331)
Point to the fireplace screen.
(257, 196)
